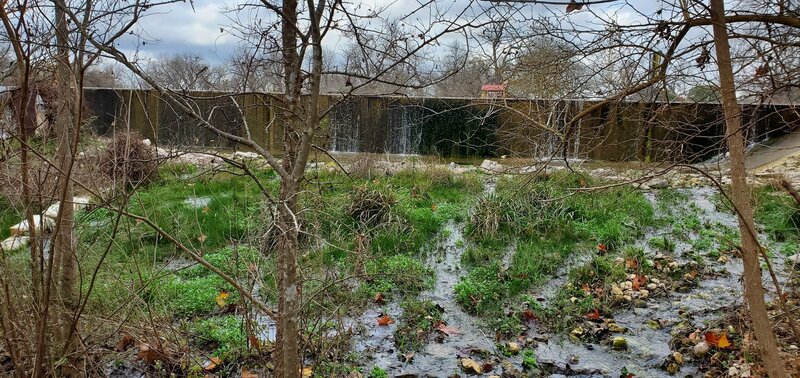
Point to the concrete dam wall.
(447, 127)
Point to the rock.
(147, 142)
(677, 357)
(245, 155)
(509, 371)
(644, 293)
(14, 242)
(22, 228)
(659, 183)
(491, 166)
(527, 169)
(616, 328)
(470, 366)
(616, 292)
(795, 259)
(619, 343)
(672, 368)
(701, 349)
(512, 347)
(733, 371)
(652, 286)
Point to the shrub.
(128, 161)
(370, 206)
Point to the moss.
(223, 335)
(779, 214)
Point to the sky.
(203, 29)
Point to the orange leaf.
(594, 315)
(385, 320)
(222, 298)
(248, 374)
(212, 364)
(602, 248)
(443, 328)
(586, 289)
(723, 342)
(711, 338)
(123, 343)
(638, 281)
(631, 264)
(434, 207)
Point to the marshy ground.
(422, 269)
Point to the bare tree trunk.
(741, 197)
(288, 359)
(64, 244)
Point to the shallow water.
(718, 290)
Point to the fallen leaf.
(148, 354)
(470, 366)
(434, 207)
(248, 374)
(719, 341)
(379, 299)
(205, 210)
(222, 298)
(212, 364)
(124, 343)
(443, 328)
(586, 289)
(638, 281)
(631, 264)
(307, 372)
(385, 320)
(723, 342)
(202, 238)
(407, 357)
(593, 315)
(528, 315)
(601, 248)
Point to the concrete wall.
(621, 131)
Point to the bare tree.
(298, 30)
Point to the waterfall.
(344, 127)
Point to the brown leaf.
(593, 315)
(443, 328)
(148, 354)
(602, 249)
(720, 341)
(385, 320)
(573, 6)
(379, 299)
(212, 364)
(124, 343)
(586, 289)
(248, 374)
(528, 315)
(631, 264)
(638, 281)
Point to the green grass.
(8, 217)
(779, 215)
(550, 223)
(418, 321)
(224, 335)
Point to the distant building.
(493, 91)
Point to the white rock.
(701, 349)
(733, 371)
(528, 169)
(23, 227)
(491, 166)
(15, 242)
(146, 142)
(244, 155)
